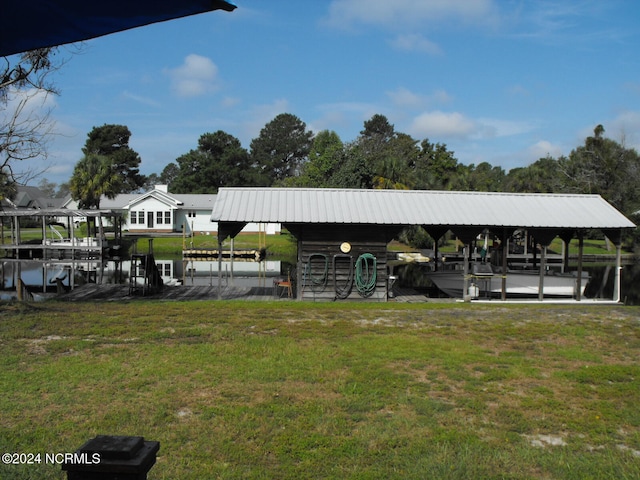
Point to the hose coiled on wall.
(366, 274)
(343, 291)
(318, 281)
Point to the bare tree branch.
(26, 124)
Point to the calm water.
(44, 276)
(600, 282)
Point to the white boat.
(484, 282)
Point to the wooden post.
(580, 252)
(465, 283)
(44, 239)
(566, 237)
(505, 253)
(543, 257)
(231, 258)
(219, 268)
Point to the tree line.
(287, 154)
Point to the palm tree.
(93, 177)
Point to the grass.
(345, 391)
(590, 247)
(281, 246)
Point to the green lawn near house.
(279, 245)
(284, 245)
(294, 390)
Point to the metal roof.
(416, 207)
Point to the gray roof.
(416, 207)
(119, 202)
(185, 201)
(195, 201)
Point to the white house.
(158, 211)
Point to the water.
(46, 277)
(600, 282)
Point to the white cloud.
(441, 124)
(397, 14)
(405, 98)
(624, 129)
(28, 105)
(414, 42)
(437, 123)
(197, 76)
(493, 127)
(543, 148)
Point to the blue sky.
(505, 82)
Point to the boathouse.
(342, 234)
(52, 234)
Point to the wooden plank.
(315, 249)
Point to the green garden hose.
(318, 281)
(366, 274)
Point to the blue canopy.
(46, 23)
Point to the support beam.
(543, 258)
(465, 271)
(615, 235)
(580, 253)
(505, 254)
(436, 233)
(616, 281)
(220, 240)
(566, 236)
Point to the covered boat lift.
(51, 243)
(336, 215)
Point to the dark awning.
(47, 23)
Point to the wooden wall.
(319, 252)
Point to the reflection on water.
(600, 282)
(48, 278)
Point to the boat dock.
(59, 233)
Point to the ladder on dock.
(144, 278)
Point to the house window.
(167, 269)
(137, 218)
(163, 217)
(191, 214)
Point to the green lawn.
(281, 245)
(337, 390)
